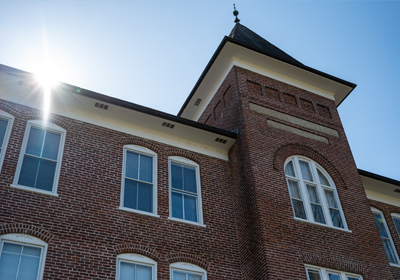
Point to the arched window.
(136, 267)
(22, 257)
(312, 193)
(187, 271)
(6, 121)
(39, 162)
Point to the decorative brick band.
(140, 142)
(297, 149)
(7, 107)
(182, 257)
(185, 154)
(26, 229)
(62, 122)
(334, 262)
(137, 249)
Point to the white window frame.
(320, 190)
(24, 239)
(187, 268)
(324, 273)
(50, 127)
(139, 260)
(10, 119)
(396, 255)
(146, 152)
(188, 162)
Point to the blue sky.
(152, 53)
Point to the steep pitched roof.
(244, 36)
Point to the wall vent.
(197, 103)
(223, 141)
(397, 190)
(170, 125)
(101, 106)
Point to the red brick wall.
(85, 230)
(261, 195)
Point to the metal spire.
(235, 13)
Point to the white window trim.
(147, 152)
(188, 162)
(10, 118)
(47, 126)
(374, 210)
(307, 205)
(137, 259)
(324, 273)
(24, 239)
(187, 268)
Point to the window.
(139, 180)
(312, 193)
(320, 273)
(22, 257)
(136, 267)
(185, 193)
(39, 163)
(187, 271)
(386, 238)
(396, 220)
(6, 121)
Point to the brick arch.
(185, 154)
(188, 258)
(52, 119)
(334, 262)
(131, 140)
(7, 107)
(137, 249)
(38, 232)
(297, 149)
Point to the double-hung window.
(136, 267)
(6, 121)
(312, 193)
(21, 257)
(396, 220)
(187, 271)
(386, 238)
(40, 158)
(320, 273)
(185, 192)
(139, 180)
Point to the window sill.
(126, 209)
(186, 222)
(394, 265)
(322, 225)
(34, 190)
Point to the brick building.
(254, 179)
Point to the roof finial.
(235, 13)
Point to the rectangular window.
(320, 273)
(187, 271)
(6, 121)
(396, 220)
(136, 267)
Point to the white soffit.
(381, 191)
(233, 54)
(117, 118)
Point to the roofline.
(129, 105)
(231, 40)
(378, 177)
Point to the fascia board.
(381, 191)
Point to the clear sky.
(152, 53)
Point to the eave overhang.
(230, 53)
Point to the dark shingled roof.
(244, 36)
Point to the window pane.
(294, 189)
(3, 129)
(146, 169)
(189, 176)
(352, 278)
(176, 176)
(143, 272)
(145, 199)
(190, 208)
(179, 275)
(389, 250)
(397, 224)
(289, 170)
(132, 165)
(305, 170)
(322, 179)
(313, 275)
(126, 271)
(28, 268)
(318, 213)
(51, 144)
(330, 197)
(194, 277)
(313, 195)
(31, 251)
(29, 170)
(381, 225)
(298, 208)
(12, 248)
(176, 204)
(336, 218)
(8, 265)
(334, 276)
(130, 194)
(45, 176)
(35, 141)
